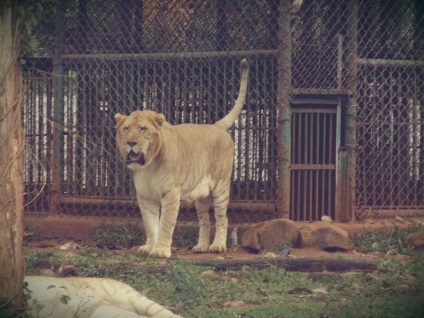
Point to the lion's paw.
(145, 249)
(217, 248)
(201, 248)
(160, 252)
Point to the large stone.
(271, 235)
(324, 236)
(416, 240)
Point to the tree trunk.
(11, 162)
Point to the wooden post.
(11, 163)
(58, 111)
(283, 109)
(351, 106)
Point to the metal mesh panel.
(182, 58)
(390, 119)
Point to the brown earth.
(53, 232)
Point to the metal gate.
(313, 170)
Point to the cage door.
(313, 170)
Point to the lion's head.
(138, 137)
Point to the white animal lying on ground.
(82, 297)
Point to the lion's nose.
(131, 143)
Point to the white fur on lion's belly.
(201, 190)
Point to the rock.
(416, 240)
(67, 270)
(210, 273)
(271, 255)
(234, 304)
(320, 291)
(392, 251)
(284, 252)
(270, 235)
(375, 246)
(324, 236)
(299, 291)
(327, 219)
(325, 276)
(69, 245)
(399, 219)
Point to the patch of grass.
(188, 286)
(119, 235)
(382, 240)
(36, 260)
(286, 244)
(396, 291)
(185, 237)
(30, 234)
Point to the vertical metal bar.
(311, 138)
(329, 211)
(375, 159)
(311, 188)
(294, 120)
(319, 138)
(337, 176)
(309, 142)
(332, 139)
(324, 139)
(283, 111)
(305, 141)
(58, 91)
(351, 105)
(393, 131)
(297, 131)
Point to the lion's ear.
(159, 119)
(119, 120)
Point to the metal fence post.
(58, 108)
(283, 109)
(351, 108)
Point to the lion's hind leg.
(221, 198)
(202, 208)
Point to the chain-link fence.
(335, 101)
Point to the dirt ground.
(67, 234)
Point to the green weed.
(395, 291)
(188, 287)
(382, 240)
(119, 235)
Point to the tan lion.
(183, 162)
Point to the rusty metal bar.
(313, 166)
(397, 63)
(254, 206)
(172, 56)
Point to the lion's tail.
(231, 117)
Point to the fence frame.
(345, 96)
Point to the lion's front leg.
(150, 215)
(202, 208)
(170, 206)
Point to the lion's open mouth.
(137, 158)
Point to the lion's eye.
(126, 128)
(143, 128)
